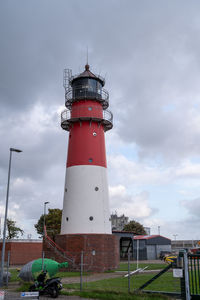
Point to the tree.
(52, 222)
(135, 227)
(13, 231)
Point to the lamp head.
(15, 150)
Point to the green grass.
(117, 287)
(123, 267)
(14, 275)
(133, 266)
(120, 284)
(116, 296)
(15, 272)
(104, 295)
(71, 274)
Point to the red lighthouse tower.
(86, 222)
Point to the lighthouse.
(86, 224)
(86, 200)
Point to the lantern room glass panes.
(87, 88)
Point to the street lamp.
(5, 216)
(45, 203)
(175, 235)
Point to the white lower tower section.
(86, 204)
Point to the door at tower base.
(86, 204)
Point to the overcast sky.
(149, 54)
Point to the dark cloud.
(150, 51)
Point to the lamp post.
(175, 235)
(45, 203)
(5, 216)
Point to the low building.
(22, 251)
(147, 247)
(184, 244)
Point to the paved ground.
(93, 277)
(16, 296)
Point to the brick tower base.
(100, 251)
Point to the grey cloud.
(150, 53)
(193, 208)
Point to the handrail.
(55, 245)
(77, 93)
(66, 115)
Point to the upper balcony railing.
(83, 92)
(67, 120)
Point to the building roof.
(88, 74)
(148, 237)
(121, 231)
(22, 240)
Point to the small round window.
(90, 160)
(91, 218)
(67, 219)
(96, 188)
(94, 134)
(90, 108)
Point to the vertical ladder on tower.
(67, 74)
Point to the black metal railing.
(106, 120)
(80, 93)
(194, 274)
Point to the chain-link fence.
(130, 276)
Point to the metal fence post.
(129, 277)
(81, 272)
(186, 273)
(43, 255)
(138, 249)
(185, 284)
(8, 264)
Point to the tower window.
(96, 188)
(65, 189)
(94, 134)
(91, 218)
(90, 108)
(90, 160)
(67, 219)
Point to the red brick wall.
(106, 247)
(22, 252)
